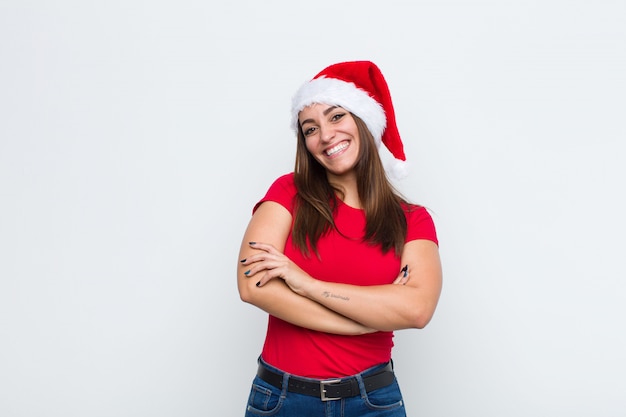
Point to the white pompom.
(398, 169)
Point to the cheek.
(310, 145)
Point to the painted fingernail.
(247, 272)
(258, 284)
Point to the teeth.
(336, 149)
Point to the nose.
(327, 133)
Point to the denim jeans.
(267, 400)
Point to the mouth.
(336, 149)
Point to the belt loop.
(285, 386)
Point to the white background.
(135, 137)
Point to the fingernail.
(247, 272)
(243, 260)
(252, 243)
(258, 284)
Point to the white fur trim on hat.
(336, 92)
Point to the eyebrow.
(328, 110)
(325, 113)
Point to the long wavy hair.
(316, 198)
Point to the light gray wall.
(136, 136)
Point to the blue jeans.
(267, 400)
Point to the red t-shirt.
(346, 259)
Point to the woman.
(337, 258)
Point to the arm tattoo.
(327, 294)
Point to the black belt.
(328, 389)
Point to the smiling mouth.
(337, 148)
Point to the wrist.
(308, 287)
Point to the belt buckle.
(323, 384)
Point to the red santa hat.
(360, 88)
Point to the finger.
(264, 247)
(262, 265)
(261, 256)
(398, 280)
(268, 276)
(403, 277)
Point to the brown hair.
(316, 198)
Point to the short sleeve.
(282, 191)
(420, 224)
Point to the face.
(331, 136)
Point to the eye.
(337, 116)
(309, 131)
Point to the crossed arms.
(269, 280)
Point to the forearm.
(385, 307)
(382, 307)
(277, 299)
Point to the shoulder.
(413, 211)
(281, 191)
(285, 181)
(420, 224)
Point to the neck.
(349, 189)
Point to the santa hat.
(360, 88)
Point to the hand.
(403, 277)
(270, 263)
